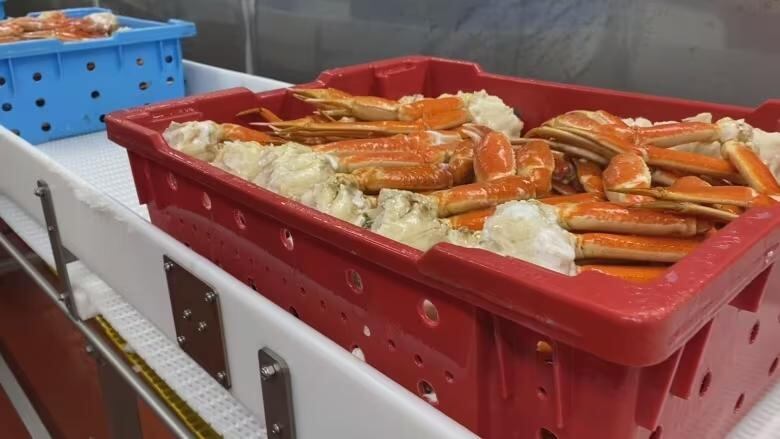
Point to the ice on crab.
(197, 139)
(292, 169)
(409, 218)
(529, 230)
(104, 22)
(239, 158)
(767, 145)
(339, 196)
(492, 112)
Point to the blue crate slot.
(51, 89)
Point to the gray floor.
(20, 402)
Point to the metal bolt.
(38, 192)
(89, 349)
(181, 339)
(187, 314)
(50, 228)
(276, 429)
(210, 297)
(168, 266)
(221, 376)
(201, 326)
(266, 372)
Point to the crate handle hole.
(773, 367)
(46, 127)
(427, 392)
(287, 239)
(143, 85)
(544, 352)
(754, 332)
(740, 401)
(139, 61)
(705, 383)
(37, 76)
(354, 281)
(429, 313)
(358, 353)
(40, 102)
(172, 183)
(238, 216)
(90, 66)
(95, 94)
(656, 434)
(169, 80)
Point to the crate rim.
(661, 325)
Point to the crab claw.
(750, 166)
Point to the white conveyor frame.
(120, 273)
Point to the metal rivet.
(50, 228)
(89, 349)
(202, 326)
(38, 192)
(210, 297)
(221, 376)
(276, 429)
(181, 339)
(266, 372)
(187, 314)
(168, 266)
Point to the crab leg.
(673, 134)
(686, 208)
(633, 273)
(411, 178)
(461, 163)
(564, 189)
(494, 157)
(536, 162)
(350, 163)
(473, 220)
(692, 163)
(480, 195)
(742, 196)
(565, 171)
(589, 176)
(750, 166)
(626, 171)
(633, 248)
(613, 218)
(571, 199)
(664, 177)
(571, 143)
(241, 133)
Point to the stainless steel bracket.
(198, 320)
(277, 395)
(62, 256)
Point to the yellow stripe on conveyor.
(193, 421)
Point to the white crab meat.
(104, 22)
(409, 218)
(731, 129)
(292, 169)
(196, 139)
(529, 230)
(767, 145)
(240, 158)
(340, 197)
(492, 112)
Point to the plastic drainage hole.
(354, 281)
(546, 434)
(40, 102)
(17, 132)
(251, 283)
(544, 352)
(541, 393)
(343, 317)
(418, 360)
(287, 239)
(705, 383)
(172, 183)
(240, 220)
(293, 311)
(7, 107)
(90, 66)
(358, 353)
(323, 306)
(738, 404)
(37, 76)
(169, 80)
(656, 434)
(391, 345)
(773, 367)
(754, 332)
(303, 291)
(2, 81)
(427, 392)
(46, 126)
(429, 312)
(102, 118)
(449, 377)
(169, 59)
(95, 94)
(139, 61)
(206, 200)
(143, 85)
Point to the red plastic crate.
(682, 357)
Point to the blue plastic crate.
(2, 8)
(51, 89)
